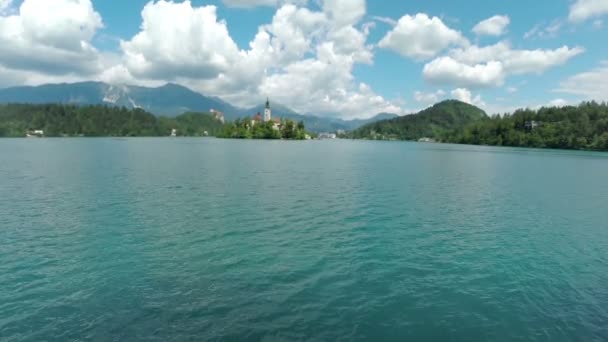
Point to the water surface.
(205, 239)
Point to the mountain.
(431, 122)
(356, 123)
(169, 100)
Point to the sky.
(335, 58)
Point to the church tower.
(267, 112)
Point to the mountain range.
(169, 100)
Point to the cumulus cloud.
(52, 37)
(179, 40)
(486, 66)
(429, 98)
(303, 58)
(465, 95)
(421, 37)
(517, 61)
(325, 84)
(494, 26)
(538, 61)
(344, 12)
(582, 10)
(592, 84)
(448, 71)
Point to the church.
(258, 118)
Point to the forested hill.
(431, 122)
(583, 127)
(70, 120)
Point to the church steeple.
(267, 111)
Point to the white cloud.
(344, 12)
(181, 41)
(465, 95)
(448, 71)
(52, 37)
(582, 10)
(421, 37)
(487, 66)
(516, 61)
(538, 61)
(592, 84)
(178, 40)
(303, 59)
(494, 26)
(350, 41)
(429, 98)
(325, 84)
(512, 90)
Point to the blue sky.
(342, 58)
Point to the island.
(265, 127)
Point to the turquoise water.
(204, 239)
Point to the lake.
(159, 239)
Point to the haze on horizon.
(344, 58)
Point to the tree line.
(582, 127)
(98, 120)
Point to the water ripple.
(197, 239)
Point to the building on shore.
(276, 124)
(256, 119)
(327, 136)
(217, 115)
(174, 132)
(38, 133)
(531, 125)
